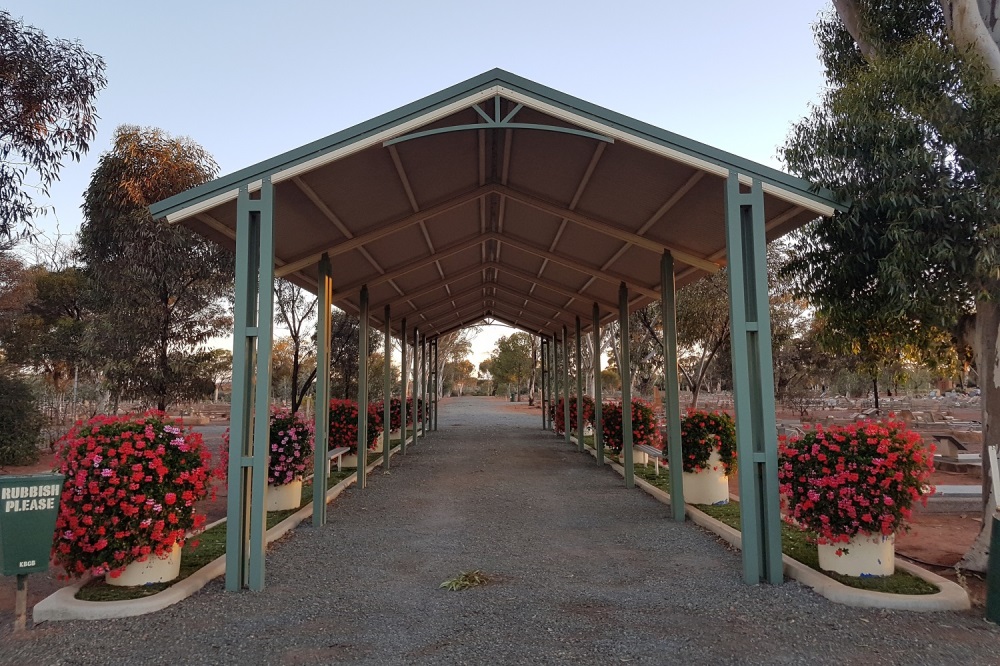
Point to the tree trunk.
(973, 25)
(988, 362)
(875, 389)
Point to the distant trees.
(156, 289)
(511, 361)
(47, 114)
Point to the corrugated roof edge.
(495, 77)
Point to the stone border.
(63, 605)
(950, 597)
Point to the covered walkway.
(586, 572)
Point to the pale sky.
(249, 80)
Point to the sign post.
(28, 509)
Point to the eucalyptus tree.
(157, 290)
(295, 311)
(47, 114)
(906, 131)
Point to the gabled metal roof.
(499, 198)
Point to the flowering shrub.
(863, 478)
(130, 488)
(396, 412)
(409, 410)
(291, 443)
(344, 424)
(556, 411)
(644, 430)
(703, 432)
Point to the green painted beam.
(598, 389)
(543, 349)
(321, 466)
(579, 387)
(387, 390)
(753, 383)
(403, 388)
(364, 318)
(565, 383)
(671, 385)
(626, 372)
(437, 383)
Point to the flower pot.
(639, 457)
(864, 555)
(349, 460)
(284, 497)
(710, 485)
(153, 570)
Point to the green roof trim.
(495, 77)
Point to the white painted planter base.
(283, 498)
(153, 570)
(709, 486)
(865, 556)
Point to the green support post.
(423, 386)
(387, 391)
(403, 389)
(753, 383)
(321, 466)
(671, 385)
(598, 389)
(544, 349)
(251, 396)
(416, 381)
(626, 371)
(437, 383)
(565, 384)
(579, 387)
(363, 389)
(993, 566)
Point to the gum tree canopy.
(156, 289)
(47, 90)
(908, 131)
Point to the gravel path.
(585, 573)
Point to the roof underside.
(539, 207)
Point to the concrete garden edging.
(63, 605)
(950, 597)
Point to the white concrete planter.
(863, 555)
(283, 498)
(153, 570)
(709, 486)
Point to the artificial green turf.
(197, 552)
(795, 543)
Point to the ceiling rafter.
(383, 230)
(608, 276)
(528, 277)
(410, 266)
(684, 256)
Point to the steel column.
(544, 350)
(423, 386)
(753, 382)
(598, 389)
(437, 382)
(250, 418)
(579, 387)
(387, 391)
(402, 388)
(565, 383)
(671, 385)
(321, 467)
(416, 381)
(626, 372)
(363, 389)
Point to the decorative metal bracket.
(497, 123)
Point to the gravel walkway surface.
(585, 572)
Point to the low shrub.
(556, 411)
(20, 422)
(344, 424)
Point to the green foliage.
(511, 360)
(47, 114)
(156, 289)
(704, 432)
(909, 137)
(20, 422)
